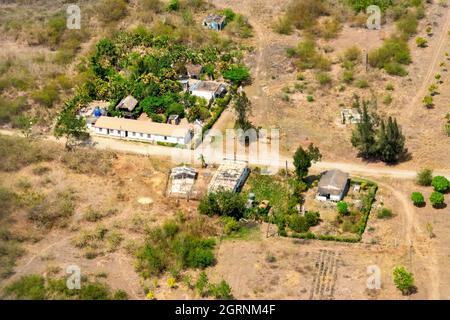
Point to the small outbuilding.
(127, 105)
(208, 90)
(333, 186)
(230, 176)
(214, 21)
(182, 180)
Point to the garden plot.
(346, 218)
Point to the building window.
(149, 136)
(165, 138)
(142, 135)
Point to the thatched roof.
(129, 103)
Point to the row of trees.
(376, 138)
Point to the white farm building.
(333, 186)
(146, 131)
(208, 90)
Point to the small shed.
(182, 180)
(127, 105)
(214, 21)
(333, 185)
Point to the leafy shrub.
(342, 207)
(361, 5)
(424, 177)
(391, 55)
(173, 246)
(221, 291)
(352, 54)
(225, 203)
(421, 42)
(440, 184)
(407, 25)
(362, 84)
(323, 78)
(312, 218)
(173, 5)
(237, 74)
(230, 225)
(437, 199)
(403, 280)
(298, 223)
(418, 199)
(347, 76)
(384, 213)
(309, 57)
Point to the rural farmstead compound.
(224, 150)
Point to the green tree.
(391, 142)
(363, 137)
(437, 199)
(303, 160)
(237, 74)
(223, 203)
(242, 108)
(440, 184)
(417, 198)
(403, 280)
(424, 177)
(342, 207)
(71, 127)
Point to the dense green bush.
(437, 199)
(440, 184)
(418, 199)
(403, 280)
(225, 203)
(237, 74)
(342, 207)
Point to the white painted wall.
(209, 96)
(137, 136)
